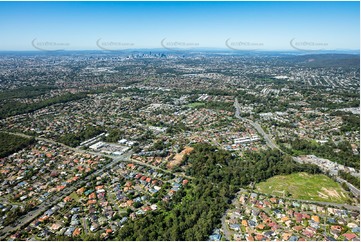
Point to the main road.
(116, 158)
(258, 127)
(272, 145)
(352, 188)
(56, 198)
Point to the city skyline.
(180, 121)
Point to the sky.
(119, 25)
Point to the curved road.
(56, 198)
(272, 145)
(258, 127)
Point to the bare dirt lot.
(179, 157)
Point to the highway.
(258, 127)
(355, 191)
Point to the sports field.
(304, 186)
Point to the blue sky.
(271, 25)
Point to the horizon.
(237, 26)
(210, 49)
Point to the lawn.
(195, 104)
(304, 186)
(74, 196)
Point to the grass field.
(195, 105)
(74, 196)
(304, 186)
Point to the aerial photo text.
(191, 121)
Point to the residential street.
(272, 145)
(68, 190)
(59, 196)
